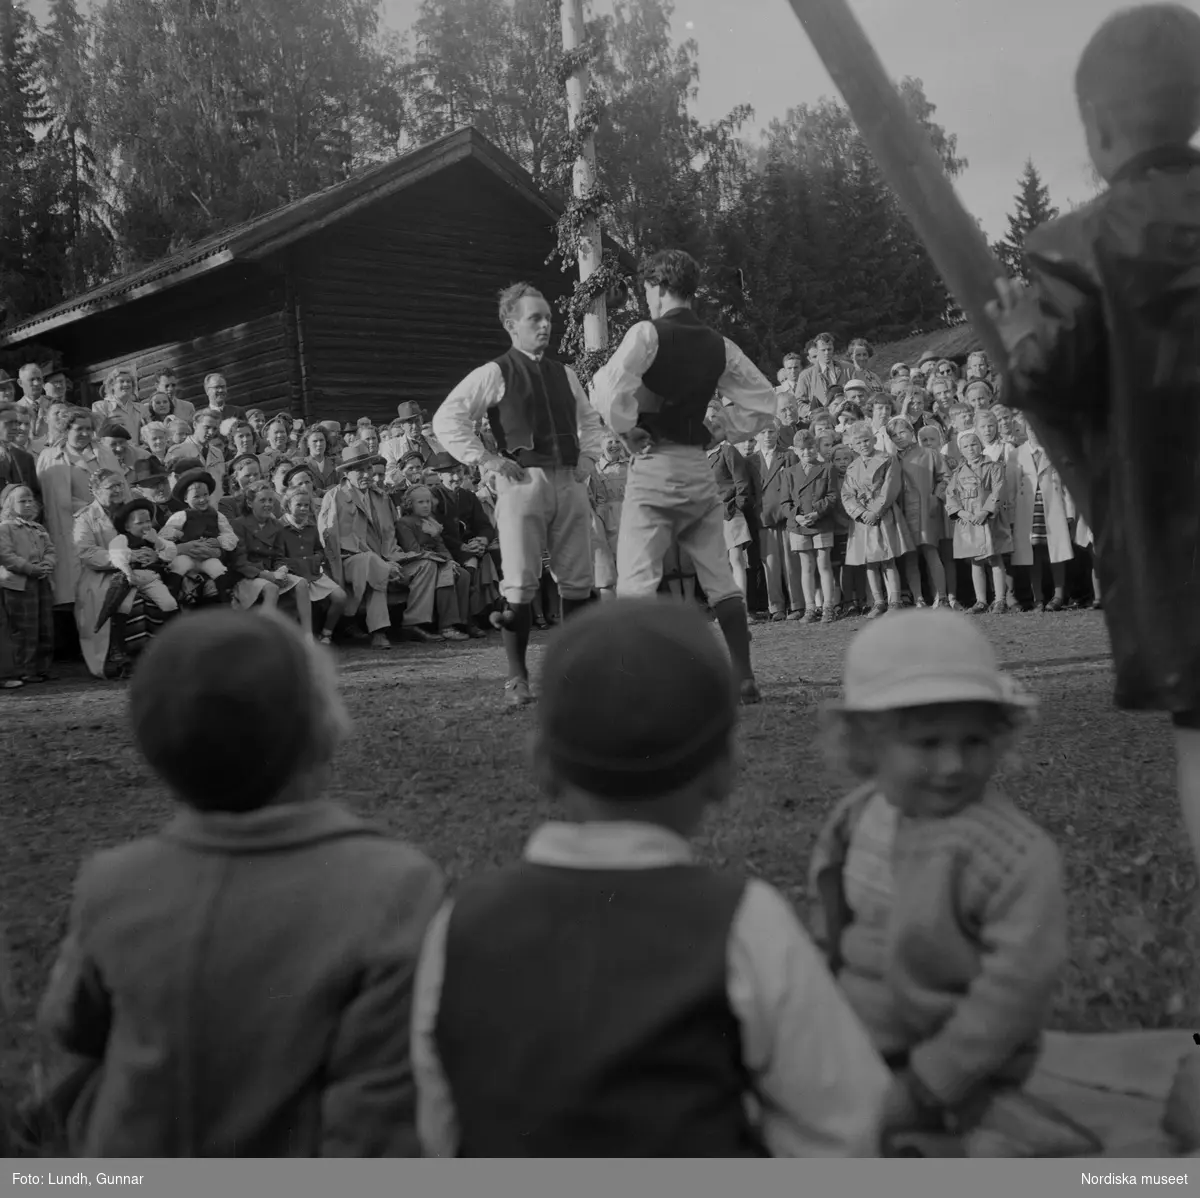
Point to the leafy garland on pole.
(608, 279)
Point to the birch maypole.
(590, 248)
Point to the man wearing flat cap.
(548, 438)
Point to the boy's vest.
(684, 374)
(584, 1012)
(537, 421)
(198, 525)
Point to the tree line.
(141, 126)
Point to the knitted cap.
(222, 707)
(637, 699)
(918, 658)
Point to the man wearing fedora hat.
(548, 439)
(406, 437)
(358, 533)
(152, 482)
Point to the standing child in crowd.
(1043, 533)
(810, 496)
(995, 449)
(931, 437)
(880, 538)
(945, 917)
(201, 530)
(608, 995)
(852, 583)
(735, 487)
(140, 554)
(973, 494)
(27, 563)
(304, 557)
(265, 933)
(922, 491)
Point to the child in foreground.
(608, 995)
(240, 982)
(944, 909)
(1107, 334)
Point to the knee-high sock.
(731, 615)
(571, 606)
(516, 638)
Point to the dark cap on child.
(638, 700)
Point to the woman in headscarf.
(65, 474)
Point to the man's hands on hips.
(506, 468)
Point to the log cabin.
(374, 291)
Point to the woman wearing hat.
(358, 532)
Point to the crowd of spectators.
(865, 497)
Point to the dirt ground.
(436, 760)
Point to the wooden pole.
(595, 321)
(914, 172)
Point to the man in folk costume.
(358, 534)
(654, 392)
(548, 438)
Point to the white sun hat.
(920, 657)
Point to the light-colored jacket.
(93, 534)
(1034, 470)
(23, 545)
(358, 534)
(60, 507)
(243, 985)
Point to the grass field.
(436, 760)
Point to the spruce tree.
(1033, 208)
(22, 111)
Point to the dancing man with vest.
(548, 438)
(654, 393)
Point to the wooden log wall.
(399, 302)
(234, 321)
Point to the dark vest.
(584, 1012)
(684, 374)
(198, 525)
(536, 423)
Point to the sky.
(999, 71)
